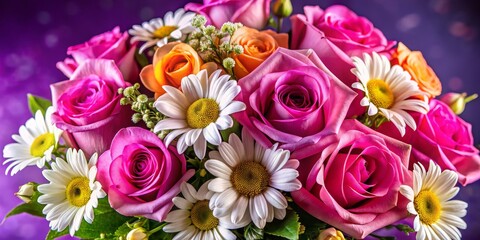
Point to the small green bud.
(136, 117)
(150, 105)
(26, 191)
(137, 234)
(136, 86)
(228, 63)
(209, 30)
(120, 91)
(146, 117)
(194, 43)
(150, 125)
(196, 34)
(162, 134)
(129, 91)
(229, 28)
(123, 101)
(238, 49)
(282, 8)
(199, 21)
(457, 101)
(142, 98)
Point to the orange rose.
(414, 63)
(257, 46)
(171, 63)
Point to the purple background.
(36, 34)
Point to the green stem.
(279, 24)
(471, 98)
(156, 229)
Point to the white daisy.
(248, 181)
(72, 192)
(159, 31)
(194, 219)
(438, 217)
(34, 146)
(197, 113)
(388, 89)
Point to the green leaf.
(161, 235)
(106, 223)
(234, 129)
(288, 228)
(141, 59)
(36, 103)
(32, 208)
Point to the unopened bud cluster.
(141, 104)
(214, 44)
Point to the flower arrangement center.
(380, 93)
(250, 178)
(202, 112)
(78, 191)
(164, 31)
(428, 206)
(41, 144)
(202, 216)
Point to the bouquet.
(212, 123)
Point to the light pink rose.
(292, 99)
(111, 45)
(251, 13)
(88, 106)
(141, 175)
(443, 137)
(352, 182)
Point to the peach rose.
(331, 234)
(257, 46)
(171, 63)
(414, 63)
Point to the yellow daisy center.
(250, 178)
(202, 216)
(78, 191)
(202, 112)
(428, 206)
(41, 144)
(380, 93)
(164, 31)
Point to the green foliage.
(107, 221)
(288, 228)
(36, 103)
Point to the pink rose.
(352, 34)
(88, 106)
(111, 45)
(336, 34)
(445, 138)
(351, 180)
(252, 13)
(141, 175)
(293, 99)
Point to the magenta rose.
(88, 106)
(111, 45)
(252, 13)
(141, 175)
(352, 34)
(351, 180)
(445, 138)
(292, 99)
